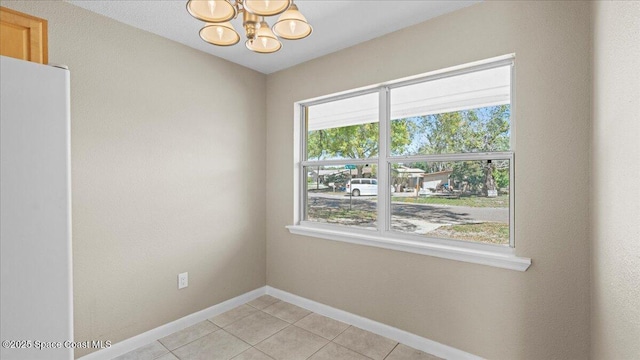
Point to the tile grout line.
(234, 321)
(245, 316)
(260, 310)
(253, 347)
(247, 303)
(290, 325)
(250, 347)
(181, 346)
(294, 324)
(397, 344)
(270, 336)
(358, 352)
(219, 329)
(239, 339)
(350, 349)
(348, 326)
(332, 339)
(262, 352)
(355, 351)
(287, 321)
(161, 344)
(323, 346)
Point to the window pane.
(343, 129)
(461, 200)
(334, 197)
(463, 113)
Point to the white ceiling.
(337, 24)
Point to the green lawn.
(488, 232)
(341, 215)
(501, 201)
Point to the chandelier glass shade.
(218, 30)
(292, 25)
(265, 41)
(221, 34)
(214, 11)
(266, 7)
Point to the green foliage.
(444, 133)
(338, 178)
(502, 178)
(356, 141)
(316, 144)
(478, 130)
(402, 132)
(469, 172)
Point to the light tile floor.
(269, 329)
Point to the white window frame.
(479, 253)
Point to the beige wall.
(542, 313)
(151, 164)
(615, 266)
(167, 168)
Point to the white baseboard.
(404, 337)
(150, 336)
(401, 336)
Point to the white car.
(363, 186)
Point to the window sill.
(471, 254)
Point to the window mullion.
(512, 204)
(304, 120)
(503, 155)
(340, 162)
(384, 127)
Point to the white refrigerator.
(35, 212)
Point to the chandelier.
(217, 14)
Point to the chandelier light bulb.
(292, 25)
(212, 11)
(266, 7)
(220, 34)
(267, 41)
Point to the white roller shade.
(352, 111)
(478, 89)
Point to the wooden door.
(23, 36)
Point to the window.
(423, 165)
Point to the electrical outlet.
(183, 280)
